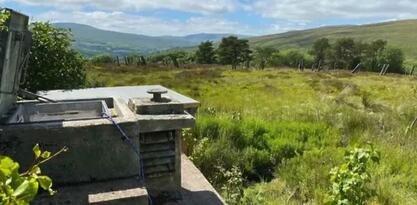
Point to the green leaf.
(46, 154)
(46, 184)
(36, 170)
(8, 166)
(30, 191)
(21, 189)
(37, 151)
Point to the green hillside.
(90, 41)
(402, 34)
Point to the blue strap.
(135, 148)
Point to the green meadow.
(272, 136)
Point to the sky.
(183, 17)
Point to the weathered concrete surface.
(96, 150)
(145, 106)
(195, 187)
(116, 192)
(156, 123)
(196, 190)
(164, 179)
(73, 110)
(124, 92)
(14, 47)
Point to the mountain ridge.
(90, 40)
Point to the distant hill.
(90, 41)
(402, 34)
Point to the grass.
(284, 130)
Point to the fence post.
(357, 68)
(412, 70)
(319, 66)
(386, 69)
(117, 60)
(382, 69)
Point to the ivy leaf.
(37, 151)
(46, 184)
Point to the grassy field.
(271, 137)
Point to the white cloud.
(140, 16)
(195, 6)
(120, 21)
(311, 10)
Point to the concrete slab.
(116, 192)
(124, 92)
(196, 190)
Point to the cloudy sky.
(181, 17)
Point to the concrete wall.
(96, 152)
(14, 49)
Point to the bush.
(53, 64)
(350, 180)
(395, 58)
(4, 15)
(290, 58)
(21, 188)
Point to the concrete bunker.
(124, 142)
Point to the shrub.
(4, 15)
(21, 188)
(350, 180)
(53, 64)
(395, 58)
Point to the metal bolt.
(157, 94)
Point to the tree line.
(344, 53)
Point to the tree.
(372, 53)
(233, 51)
(293, 57)
(263, 56)
(320, 49)
(205, 53)
(177, 58)
(53, 64)
(290, 58)
(344, 52)
(395, 58)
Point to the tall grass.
(284, 130)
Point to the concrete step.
(115, 192)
